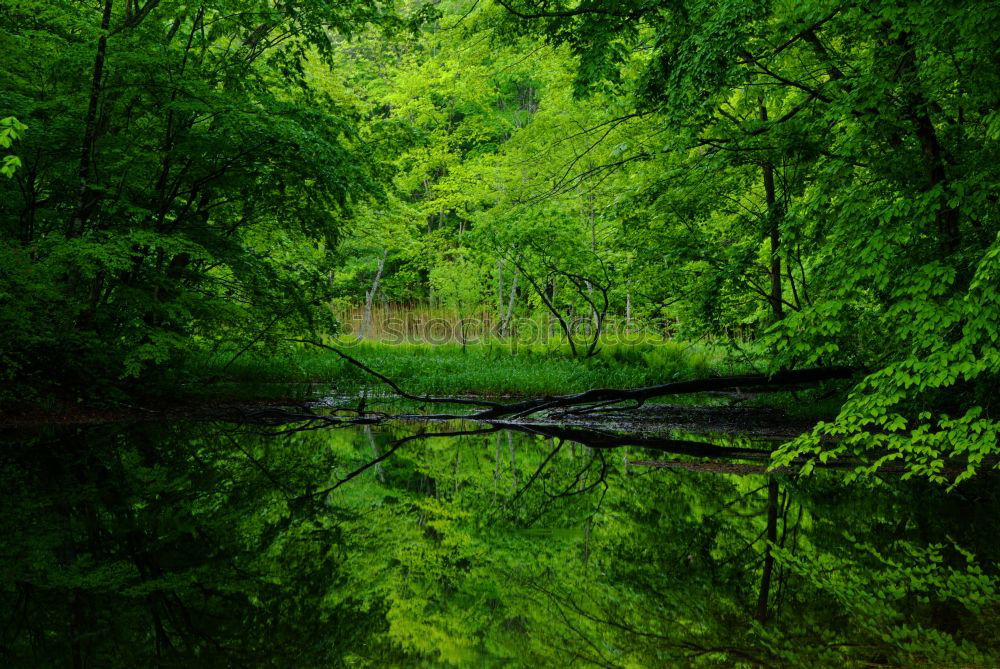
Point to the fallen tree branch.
(392, 384)
(605, 396)
(791, 378)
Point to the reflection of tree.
(132, 546)
(685, 568)
(240, 545)
(772, 538)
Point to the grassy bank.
(494, 369)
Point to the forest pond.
(199, 543)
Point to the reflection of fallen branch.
(601, 439)
(597, 439)
(392, 449)
(587, 436)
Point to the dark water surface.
(459, 544)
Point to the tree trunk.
(499, 294)
(548, 315)
(370, 297)
(87, 198)
(505, 323)
(628, 313)
(917, 109)
(774, 231)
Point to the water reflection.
(473, 545)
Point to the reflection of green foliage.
(211, 545)
(875, 590)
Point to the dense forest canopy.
(814, 181)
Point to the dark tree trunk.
(87, 198)
(774, 230)
(917, 108)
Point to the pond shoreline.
(759, 422)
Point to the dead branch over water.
(601, 398)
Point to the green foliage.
(875, 242)
(10, 131)
(213, 180)
(808, 183)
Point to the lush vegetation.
(496, 370)
(506, 197)
(814, 179)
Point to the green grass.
(495, 369)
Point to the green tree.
(857, 150)
(161, 198)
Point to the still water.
(194, 544)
